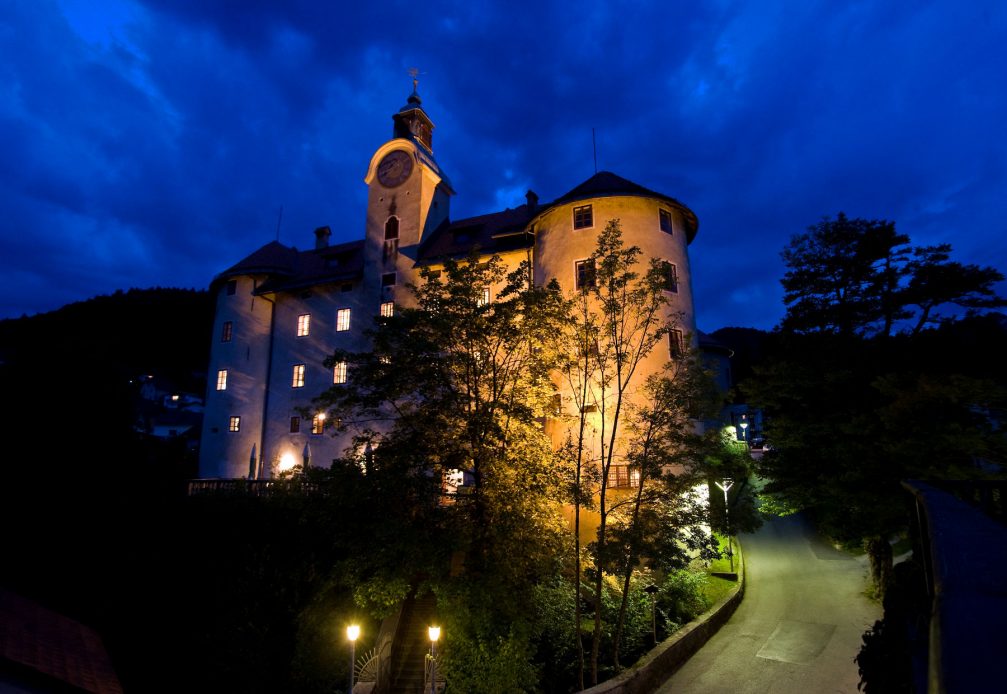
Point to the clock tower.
(408, 197)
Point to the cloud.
(154, 143)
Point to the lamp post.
(434, 633)
(651, 590)
(728, 483)
(352, 633)
(744, 427)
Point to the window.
(222, 379)
(583, 217)
(318, 423)
(339, 372)
(303, 324)
(390, 251)
(232, 287)
(670, 277)
(225, 331)
(234, 424)
(676, 343)
(585, 274)
(556, 405)
(589, 407)
(392, 228)
(295, 425)
(623, 476)
(342, 319)
(298, 380)
(665, 219)
(387, 309)
(484, 297)
(388, 279)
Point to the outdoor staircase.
(412, 644)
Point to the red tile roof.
(53, 645)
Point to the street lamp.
(728, 483)
(652, 591)
(352, 633)
(434, 633)
(744, 427)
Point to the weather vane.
(414, 72)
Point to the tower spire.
(410, 121)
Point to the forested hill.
(162, 331)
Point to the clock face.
(395, 168)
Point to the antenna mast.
(594, 146)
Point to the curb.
(653, 669)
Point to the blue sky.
(153, 142)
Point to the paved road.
(799, 626)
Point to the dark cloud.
(154, 143)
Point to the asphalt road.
(797, 629)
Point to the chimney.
(532, 201)
(322, 237)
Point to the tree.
(620, 317)
(860, 277)
(843, 276)
(454, 386)
(859, 394)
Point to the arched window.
(392, 228)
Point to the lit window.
(665, 218)
(484, 297)
(232, 287)
(222, 379)
(585, 274)
(234, 424)
(295, 425)
(339, 372)
(556, 405)
(318, 423)
(670, 277)
(226, 330)
(623, 476)
(387, 309)
(582, 217)
(676, 343)
(342, 319)
(392, 228)
(303, 324)
(388, 279)
(298, 379)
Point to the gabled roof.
(606, 183)
(288, 268)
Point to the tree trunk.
(879, 553)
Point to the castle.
(280, 311)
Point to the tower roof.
(606, 183)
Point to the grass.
(717, 588)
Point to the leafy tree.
(620, 316)
(861, 277)
(859, 394)
(470, 401)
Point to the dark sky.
(153, 142)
